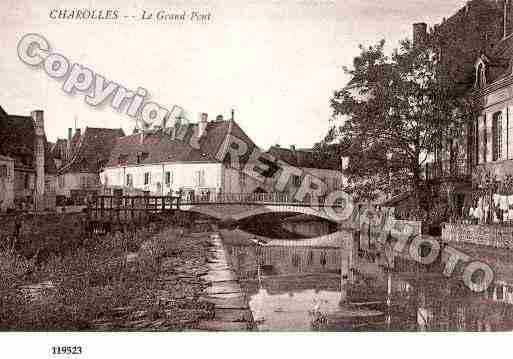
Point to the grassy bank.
(149, 280)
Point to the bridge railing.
(138, 208)
(246, 198)
(128, 208)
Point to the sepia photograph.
(322, 168)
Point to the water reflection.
(300, 288)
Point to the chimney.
(39, 158)
(419, 33)
(219, 118)
(78, 131)
(70, 133)
(141, 137)
(202, 125)
(293, 147)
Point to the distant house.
(81, 159)
(157, 162)
(26, 162)
(327, 169)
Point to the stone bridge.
(223, 207)
(236, 211)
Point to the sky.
(275, 62)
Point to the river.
(296, 285)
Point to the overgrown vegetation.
(53, 278)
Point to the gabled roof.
(160, 147)
(58, 149)
(476, 27)
(91, 150)
(305, 158)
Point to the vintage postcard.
(255, 166)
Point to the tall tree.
(395, 111)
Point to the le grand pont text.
(115, 14)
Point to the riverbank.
(145, 280)
(231, 309)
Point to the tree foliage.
(393, 113)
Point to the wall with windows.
(68, 182)
(333, 179)
(24, 183)
(493, 148)
(160, 179)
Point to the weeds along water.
(55, 278)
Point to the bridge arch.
(238, 212)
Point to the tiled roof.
(91, 150)
(305, 158)
(159, 147)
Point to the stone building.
(475, 45)
(23, 139)
(81, 158)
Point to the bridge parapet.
(222, 206)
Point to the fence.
(486, 235)
(129, 209)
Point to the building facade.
(82, 157)
(6, 183)
(308, 163)
(159, 163)
(23, 139)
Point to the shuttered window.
(168, 178)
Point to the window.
(4, 171)
(485, 140)
(141, 156)
(62, 182)
(129, 180)
(242, 178)
(167, 179)
(199, 178)
(83, 181)
(476, 135)
(122, 159)
(496, 136)
(147, 178)
(26, 181)
(296, 180)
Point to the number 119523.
(66, 350)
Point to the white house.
(157, 162)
